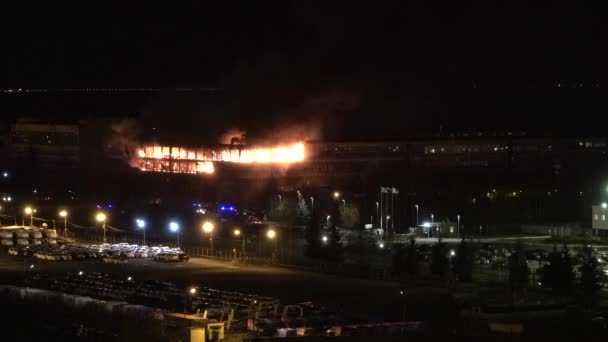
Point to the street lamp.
(416, 205)
(312, 203)
(174, 227)
(30, 211)
(64, 215)
(271, 234)
(190, 292)
(141, 224)
(377, 211)
(458, 225)
(208, 229)
(432, 218)
(344, 202)
(101, 217)
(336, 194)
(237, 232)
(328, 217)
(324, 239)
(604, 205)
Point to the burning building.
(187, 160)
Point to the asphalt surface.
(369, 299)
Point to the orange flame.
(183, 160)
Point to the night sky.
(344, 70)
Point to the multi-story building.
(45, 146)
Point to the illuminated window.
(595, 217)
(603, 217)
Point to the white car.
(129, 253)
(141, 254)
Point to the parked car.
(183, 256)
(115, 259)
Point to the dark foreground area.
(363, 301)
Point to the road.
(377, 299)
(433, 240)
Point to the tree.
(549, 273)
(334, 250)
(591, 277)
(411, 262)
(559, 275)
(464, 262)
(439, 258)
(519, 272)
(312, 236)
(302, 212)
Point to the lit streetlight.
(416, 205)
(324, 239)
(174, 227)
(271, 234)
(64, 214)
(208, 228)
(101, 217)
(312, 203)
(237, 232)
(336, 194)
(344, 202)
(328, 217)
(377, 210)
(141, 224)
(604, 205)
(190, 292)
(432, 218)
(458, 225)
(30, 211)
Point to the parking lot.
(375, 298)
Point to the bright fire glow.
(183, 160)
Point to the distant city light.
(5, 174)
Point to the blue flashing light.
(222, 208)
(110, 205)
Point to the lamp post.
(416, 205)
(190, 292)
(30, 211)
(271, 234)
(388, 217)
(328, 217)
(377, 211)
(312, 203)
(174, 227)
(101, 217)
(208, 229)
(344, 202)
(64, 215)
(458, 225)
(141, 224)
(237, 233)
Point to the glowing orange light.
(183, 160)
